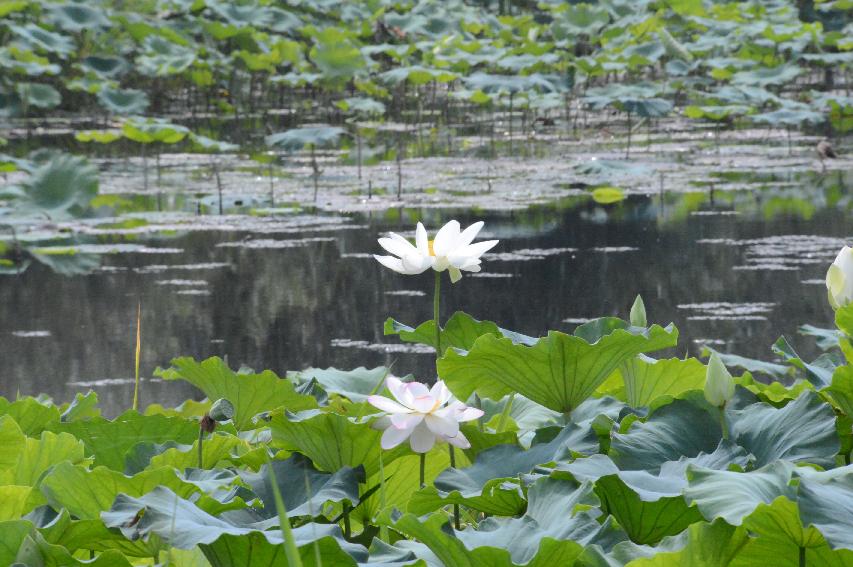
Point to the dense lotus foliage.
(589, 452)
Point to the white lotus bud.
(719, 384)
(839, 279)
(638, 313)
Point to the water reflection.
(287, 301)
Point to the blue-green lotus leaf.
(40, 39)
(38, 95)
(77, 17)
(123, 101)
(304, 489)
(110, 67)
(60, 187)
(299, 138)
(802, 431)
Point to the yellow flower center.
(430, 248)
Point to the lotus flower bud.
(221, 410)
(719, 384)
(839, 279)
(638, 313)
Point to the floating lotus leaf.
(298, 138)
(106, 66)
(39, 39)
(123, 101)
(75, 17)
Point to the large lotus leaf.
(361, 105)
(733, 495)
(107, 66)
(417, 75)
(250, 394)
(35, 550)
(299, 138)
(304, 489)
(12, 442)
(163, 57)
(16, 501)
(150, 130)
(75, 17)
(335, 55)
(332, 441)
(560, 371)
(802, 431)
(818, 372)
(38, 455)
(679, 429)
(211, 145)
(647, 379)
(826, 505)
(12, 534)
(764, 76)
(550, 533)
(182, 524)
(60, 187)
(39, 39)
(109, 441)
(779, 522)
(216, 448)
(66, 261)
(646, 522)
(38, 95)
(460, 331)
(355, 385)
(31, 415)
(123, 101)
(708, 545)
(491, 483)
(776, 371)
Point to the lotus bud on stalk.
(638, 313)
(839, 279)
(222, 410)
(719, 384)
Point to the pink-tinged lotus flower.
(422, 415)
(451, 250)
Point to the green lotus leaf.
(336, 55)
(607, 195)
(35, 550)
(216, 448)
(560, 371)
(332, 441)
(841, 389)
(83, 406)
(225, 542)
(304, 489)
(211, 145)
(646, 522)
(106, 66)
(826, 506)
(491, 483)
(123, 101)
(802, 431)
(733, 495)
(25, 62)
(16, 501)
(11, 6)
(299, 138)
(109, 440)
(39, 455)
(460, 331)
(766, 76)
(355, 385)
(361, 105)
(416, 75)
(150, 130)
(59, 187)
(819, 372)
(12, 442)
(776, 371)
(163, 57)
(779, 521)
(39, 39)
(707, 545)
(99, 136)
(12, 534)
(647, 379)
(31, 416)
(548, 534)
(38, 95)
(251, 394)
(679, 429)
(76, 17)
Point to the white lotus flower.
(839, 279)
(719, 384)
(451, 250)
(422, 415)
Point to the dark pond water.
(732, 270)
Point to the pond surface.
(733, 270)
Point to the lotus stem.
(723, 425)
(802, 557)
(384, 535)
(347, 525)
(505, 413)
(200, 448)
(138, 352)
(423, 470)
(436, 309)
(456, 522)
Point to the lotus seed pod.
(221, 410)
